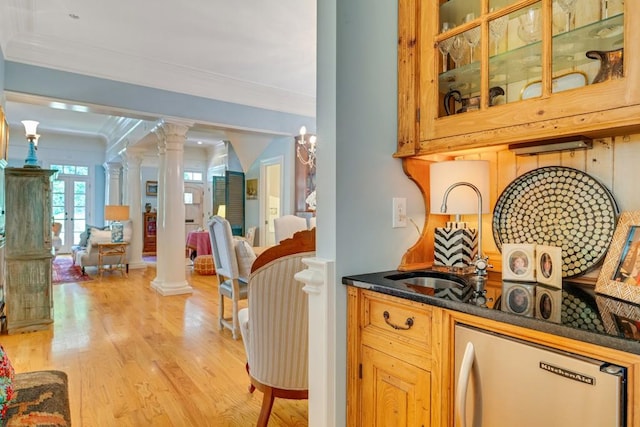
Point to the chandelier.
(306, 148)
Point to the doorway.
(70, 203)
(193, 208)
(271, 203)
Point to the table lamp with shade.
(30, 127)
(459, 187)
(222, 211)
(116, 214)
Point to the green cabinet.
(28, 249)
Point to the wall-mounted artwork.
(252, 189)
(152, 188)
(305, 176)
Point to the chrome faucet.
(481, 262)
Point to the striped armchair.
(274, 327)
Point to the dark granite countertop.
(583, 315)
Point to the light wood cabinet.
(28, 250)
(390, 359)
(404, 376)
(545, 96)
(149, 233)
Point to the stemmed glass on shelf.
(472, 36)
(498, 29)
(444, 46)
(457, 49)
(568, 7)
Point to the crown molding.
(76, 57)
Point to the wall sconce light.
(306, 148)
(30, 127)
(457, 245)
(116, 214)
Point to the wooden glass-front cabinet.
(476, 73)
(149, 233)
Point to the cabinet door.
(501, 71)
(394, 392)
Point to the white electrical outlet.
(399, 212)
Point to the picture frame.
(618, 276)
(152, 188)
(548, 303)
(549, 265)
(252, 189)
(518, 262)
(518, 298)
(619, 317)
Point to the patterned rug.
(65, 272)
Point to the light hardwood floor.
(135, 358)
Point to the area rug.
(65, 272)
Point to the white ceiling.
(252, 52)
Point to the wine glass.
(529, 28)
(457, 49)
(444, 46)
(568, 7)
(498, 29)
(472, 36)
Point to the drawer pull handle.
(408, 323)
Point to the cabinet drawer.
(396, 326)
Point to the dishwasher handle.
(464, 376)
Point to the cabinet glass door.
(586, 39)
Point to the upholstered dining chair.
(250, 235)
(275, 324)
(232, 259)
(285, 226)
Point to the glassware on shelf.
(529, 29)
(611, 8)
(444, 46)
(472, 36)
(568, 7)
(457, 50)
(498, 29)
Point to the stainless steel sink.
(432, 282)
(435, 283)
(430, 279)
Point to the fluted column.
(171, 276)
(132, 196)
(112, 183)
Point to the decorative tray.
(558, 206)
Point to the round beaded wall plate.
(558, 206)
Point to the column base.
(167, 289)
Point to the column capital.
(172, 127)
(112, 167)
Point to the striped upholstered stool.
(203, 264)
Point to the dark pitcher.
(471, 103)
